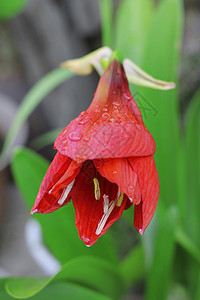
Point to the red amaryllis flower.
(104, 162)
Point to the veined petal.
(112, 127)
(59, 175)
(119, 171)
(91, 220)
(146, 171)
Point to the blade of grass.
(38, 92)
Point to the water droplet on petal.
(141, 231)
(85, 239)
(106, 115)
(116, 103)
(105, 109)
(86, 138)
(128, 97)
(81, 121)
(84, 113)
(74, 136)
(114, 172)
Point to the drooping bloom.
(104, 162)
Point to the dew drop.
(86, 139)
(128, 97)
(84, 113)
(116, 103)
(85, 239)
(114, 172)
(106, 115)
(105, 109)
(81, 122)
(74, 136)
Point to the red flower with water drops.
(104, 162)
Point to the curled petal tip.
(141, 231)
(33, 211)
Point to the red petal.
(89, 211)
(119, 171)
(146, 171)
(112, 127)
(62, 167)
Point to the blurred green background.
(162, 37)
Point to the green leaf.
(106, 8)
(133, 266)
(160, 270)
(94, 273)
(3, 294)
(192, 222)
(160, 108)
(192, 130)
(10, 8)
(197, 294)
(59, 231)
(59, 291)
(25, 287)
(90, 272)
(132, 24)
(185, 241)
(41, 89)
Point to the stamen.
(106, 203)
(104, 219)
(65, 193)
(118, 193)
(97, 193)
(120, 199)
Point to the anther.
(65, 193)
(97, 193)
(105, 217)
(105, 203)
(120, 199)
